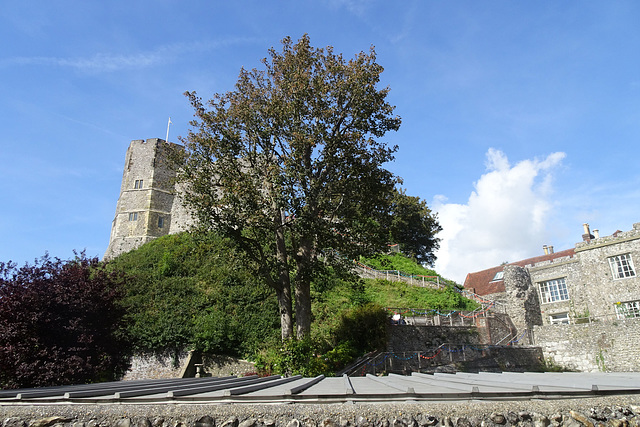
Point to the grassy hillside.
(188, 293)
(404, 264)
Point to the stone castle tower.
(148, 206)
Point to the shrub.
(60, 323)
(194, 292)
(363, 328)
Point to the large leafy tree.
(414, 227)
(290, 163)
(60, 323)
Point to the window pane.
(622, 266)
(553, 290)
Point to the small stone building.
(595, 281)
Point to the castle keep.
(148, 206)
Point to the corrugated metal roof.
(276, 389)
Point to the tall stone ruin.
(148, 206)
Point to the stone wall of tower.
(521, 301)
(148, 206)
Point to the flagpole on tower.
(168, 124)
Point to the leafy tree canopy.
(290, 163)
(414, 227)
(60, 323)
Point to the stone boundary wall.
(157, 366)
(221, 366)
(425, 338)
(592, 347)
(615, 411)
(182, 365)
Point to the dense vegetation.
(197, 293)
(60, 323)
(77, 321)
(188, 293)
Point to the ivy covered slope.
(185, 292)
(188, 293)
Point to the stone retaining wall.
(615, 411)
(182, 365)
(592, 347)
(425, 338)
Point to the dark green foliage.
(194, 293)
(414, 227)
(59, 323)
(364, 328)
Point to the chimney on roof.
(587, 236)
(550, 248)
(545, 248)
(596, 233)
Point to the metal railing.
(434, 317)
(398, 276)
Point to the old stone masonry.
(148, 206)
(615, 411)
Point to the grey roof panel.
(274, 389)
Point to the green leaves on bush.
(196, 292)
(188, 292)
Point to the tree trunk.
(303, 288)
(283, 291)
(284, 306)
(303, 309)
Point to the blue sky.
(521, 120)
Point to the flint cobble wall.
(157, 366)
(615, 411)
(592, 347)
(425, 338)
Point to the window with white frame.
(138, 184)
(133, 216)
(499, 276)
(559, 318)
(553, 290)
(628, 309)
(622, 266)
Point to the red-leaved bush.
(60, 323)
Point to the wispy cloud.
(357, 7)
(503, 219)
(110, 62)
(97, 62)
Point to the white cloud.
(503, 220)
(108, 62)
